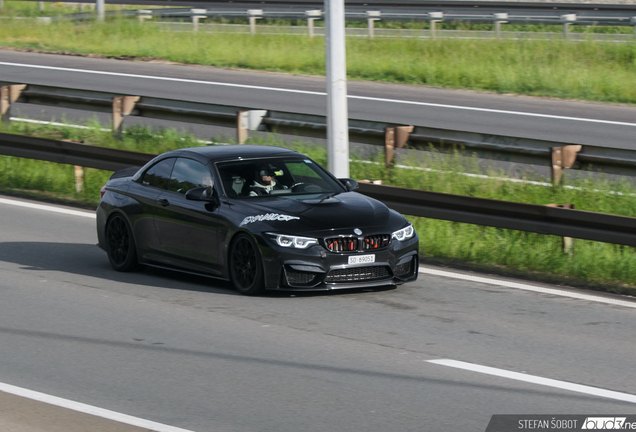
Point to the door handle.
(164, 202)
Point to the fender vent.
(299, 278)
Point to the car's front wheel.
(246, 267)
(122, 253)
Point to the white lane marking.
(159, 78)
(527, 287)
(47, 208)
(495, 111)
(51, 123)
(89, 409)
(533, 379)
(368, 98)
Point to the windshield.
(285, 177)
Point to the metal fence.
(317, 31)
(390, 136)
(432, 14)
(500, 214)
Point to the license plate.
(361, 259)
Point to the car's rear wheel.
(246, 267)
(122, 253)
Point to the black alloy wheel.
(121, 246)
(246, 268)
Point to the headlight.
(404, 233)
(293, 241)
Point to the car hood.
(341, 211)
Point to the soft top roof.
(229, 152)
(212, 154)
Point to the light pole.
(336, 71)
(100, 5)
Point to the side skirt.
(183, 271)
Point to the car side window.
(189, 174)
(159, 174)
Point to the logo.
(604, 423)
(357, 231)
(267, 217)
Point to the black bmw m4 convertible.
(262, 217)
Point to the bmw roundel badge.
(357, 231)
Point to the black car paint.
(172, 231)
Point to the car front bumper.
(317, 269)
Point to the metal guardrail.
(362, 32)
(412, 9)
(70, 153)
(391, 136)
(497, 13)
(479, 211)
(504, 214)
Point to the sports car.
(261, 217)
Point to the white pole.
(336, 71)
(101, 7)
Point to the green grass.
(593, 264)
(31, 9)
(580, 70)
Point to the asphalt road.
(192, 353)
(540, 118)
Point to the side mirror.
(349, 184)
(201, 194)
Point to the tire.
(246, 267)
(122, 252)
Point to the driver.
(265, 181)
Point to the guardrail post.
(435, 17)
(80, 172)
(196, 15)
(394, 137)
(144, 14)
(253, 15)
(567, 242)
(633, 21)
(8, 95)
(247, 121)
(567, 19)
(372, 16)
(312, 15)
(562, 157)
(122, 106)
(5, 104)
(80, 175)
(500, 18)
(242, 127)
